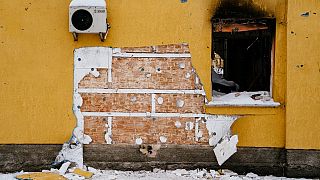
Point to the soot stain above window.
(238, 9)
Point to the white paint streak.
(151, 55)
(108, 134)
(153, 103)
(198, 133)
(109, 57)
(146, 114)
(140, 91)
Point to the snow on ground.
(157, 174)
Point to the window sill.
(243, 99)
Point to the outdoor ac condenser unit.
(88, 16)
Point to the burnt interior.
(243, 37)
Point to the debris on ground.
(83, 173)
(40, 176)
(157, 174)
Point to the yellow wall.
(36, 72)
(303, 83)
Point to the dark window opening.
(242, 54)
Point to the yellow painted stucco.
(36, 72)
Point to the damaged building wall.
(149, 96)
(36, 72)
(154, 95)
(303, 75)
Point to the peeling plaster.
(226, 149)
(218, 126)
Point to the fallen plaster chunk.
(94, 171)
(139, 141)
(80, 136)
(180, 172)
(226, 149)
(63, 169)
(189, 126)
(163, 139)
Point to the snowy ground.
(157, 174)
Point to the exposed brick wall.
(152, 73)
(89, 81)
(193, 103)
(171, 48)
(125, 130)
(145, 73)
(95, 128)
(116, 102)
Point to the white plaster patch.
(83, 57)
(160, 100)
(182, 65)
(198, 133)
(108, 134)
(80, 136)
(148, 75)
(163, 139)
(139, 141)
(177, 124)
(226, 149)
(63, 169)
(188, 75)
(218, 126)
(189, 126)
(72, 153)
(180, 103)
(94, 72)
(133, 99)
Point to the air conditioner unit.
(88, 16)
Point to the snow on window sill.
(247, 99)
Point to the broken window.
(242, 56)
